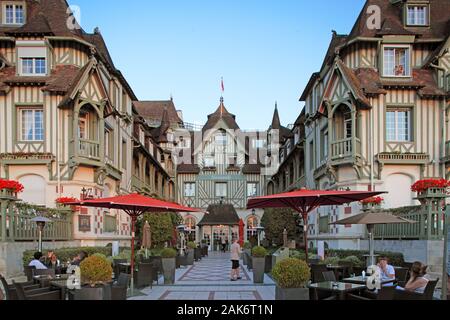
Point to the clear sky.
(266, 50)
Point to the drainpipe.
(372, 150)
(58, 143)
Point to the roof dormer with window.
(13, 13)
(32, 58)
(417, 13)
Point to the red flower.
(64, 200)
(14, 186)
(423, 185)
(374, 200)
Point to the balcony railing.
(89, 149)
(342, 149)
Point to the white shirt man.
(37, 262)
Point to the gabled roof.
(276, 125)
(220, 214)
(154, 110)
(221, 114)
(392, 20)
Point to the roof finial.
(171, 97)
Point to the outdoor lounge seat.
(144, 275)
(10, 290)
(120, 288)
(386, 293)
(427, 295)
(329, 276)
(40, 294)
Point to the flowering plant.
(14, 186)
(65, 200)
(424, 185)
(373, 200)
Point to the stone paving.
(209, 279)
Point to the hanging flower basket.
(431, 188)
(10, 188)
(372, 203)
(61, 203)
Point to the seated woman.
(417, 283)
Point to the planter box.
(296, 294)
(96, 293)
(190, 257)
(168, 266)
(433, 193)
(371, 206)
(268, 266)
(249, 261)
(258, 269)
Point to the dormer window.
(417, 15)
(32, 57)
(33, 66)
(13, 14)
(397, 61)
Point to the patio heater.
(40, 222)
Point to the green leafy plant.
(191, 245)
(334, 261)
(168, 253)
(275, 221)
(259, 252)
(248, 245)
(355, 261)
(291, 273)
(67, 254)
(95, 270)
(296, 254)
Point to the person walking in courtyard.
(235, 258)
(223, 242)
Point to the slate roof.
(154, 110)
(221, 114)
(220, 214)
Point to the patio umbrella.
(147, 238)
(241, 232)
(134, 205)
(305, 201)
(371, 220)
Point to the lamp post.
(40, 221)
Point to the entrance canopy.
(220, 215)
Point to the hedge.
(67, 254)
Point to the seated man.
(37, 262)
(79, 258)
(387, 272)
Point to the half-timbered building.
(376, 113)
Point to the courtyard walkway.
(209, 279)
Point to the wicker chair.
(120, 288)
(39, 294)
(10, 290)
(28, 270)
(144, 275)
(386, 293)
(428, 294)
(317, 272)
(329, 276)
(117, 267)
(402, 276)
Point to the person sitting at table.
(387, 272)
(37, 262)
(79, 258)
(418, 281)
(52, 261)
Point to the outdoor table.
(363, 281)
(61, 284)
(44, 280)
(339, 288)
(337, 270)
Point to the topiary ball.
(259, 252)
(95, 270)
(291, 273)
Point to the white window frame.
(14, 5)
(395, 110)
(414, 22)
(408, 62)
(220, 139)
(189, 189)
(211, 159)
(250, 187)
(217, 190)
(21, 128)
(33, 73)
(83, 119)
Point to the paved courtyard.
(209, 279)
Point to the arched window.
(35, 190)
(252, 233)
(191, 227)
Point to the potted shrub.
(291, 277)
(372, 203)
(96, 277)
(168, 257)
(191, 246)
(258, 263)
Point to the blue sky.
(265, 50)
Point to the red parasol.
(305, 201)
(134, 205)
(241, 232)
